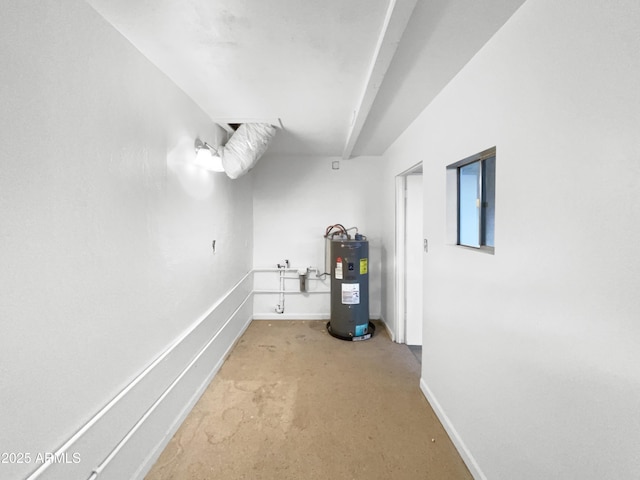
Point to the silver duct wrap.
(245, 147)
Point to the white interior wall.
(294, 200)
(530, 355)
(106, 229)
(106, 233)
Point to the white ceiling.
(344, 77)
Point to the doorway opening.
(409, 259)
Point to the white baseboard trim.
(297, 316)
(391, 334)
(157, 451)
(126, 436)
(464, 452)
(291, 316)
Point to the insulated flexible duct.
(245, 147)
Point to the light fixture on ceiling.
(207, 156)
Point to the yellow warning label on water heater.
(363, 266)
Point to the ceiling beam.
(395, 22)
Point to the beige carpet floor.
(292, 402)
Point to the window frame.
(454, 198)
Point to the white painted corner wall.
(119, 313)
(105, 244)
(294, 200)
(530, 355)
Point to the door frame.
(401, 252)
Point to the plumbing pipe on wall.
(281, 271)
(303, 276)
